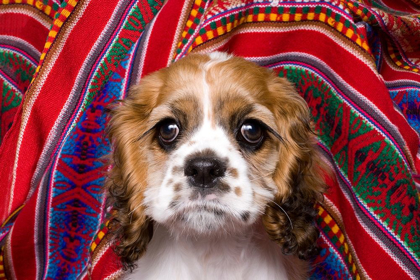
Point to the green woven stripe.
(9, 97)
(17, 64)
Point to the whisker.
(137, 207)
(260, 177)
(290, 221)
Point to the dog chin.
(208, 219)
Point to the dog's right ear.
(126, 181)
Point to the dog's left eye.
(168, 131)
(251, 134)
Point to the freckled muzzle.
(204, 172)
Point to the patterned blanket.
(356, 63)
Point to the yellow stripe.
(11, 215)
(273, 17)
(229, 27)
(334, 229)
(341, 239)
(39, 5)
(349, 33)
(53, 33)
(340, 26)
(210, 34)
(93, 247)
(327, 219)
(47, 10)
(311, 16)
(220, 30)
(286, 17)
(260, 17)
(58, 22)
(72, 3)
(322, 17)
(101, 234)
(365, 45)
(199, 40)
(194, 13)
(30, 2)
(65, 13)
(298, 17)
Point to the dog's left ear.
(299, 174)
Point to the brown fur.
(257, 93)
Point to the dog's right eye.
(168, 131)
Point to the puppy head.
(206, 147)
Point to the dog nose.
(204, 172)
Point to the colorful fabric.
(62, 63)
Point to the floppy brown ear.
(126, 180)
(299, 175)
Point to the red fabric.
(355, 63)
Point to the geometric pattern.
(355, 63)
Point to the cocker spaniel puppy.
(215, 174)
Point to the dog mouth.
(207, 204)
(206, 216)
